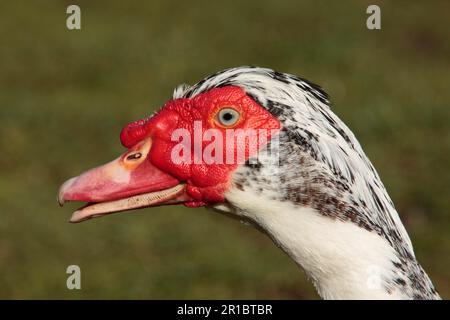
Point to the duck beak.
(129, 182)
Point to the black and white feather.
(321, 201)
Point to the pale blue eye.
(228, 117)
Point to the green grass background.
(64, 96)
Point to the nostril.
(134, 156)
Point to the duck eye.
(134, 156)
(228, 117)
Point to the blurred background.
(65, 95)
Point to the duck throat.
(343, 260)
(351, 246)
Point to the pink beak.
(129, 182)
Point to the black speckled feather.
(321, 165)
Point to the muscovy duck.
(304, 180)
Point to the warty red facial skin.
(148, 165)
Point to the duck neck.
(334, 218)
(343, 260)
